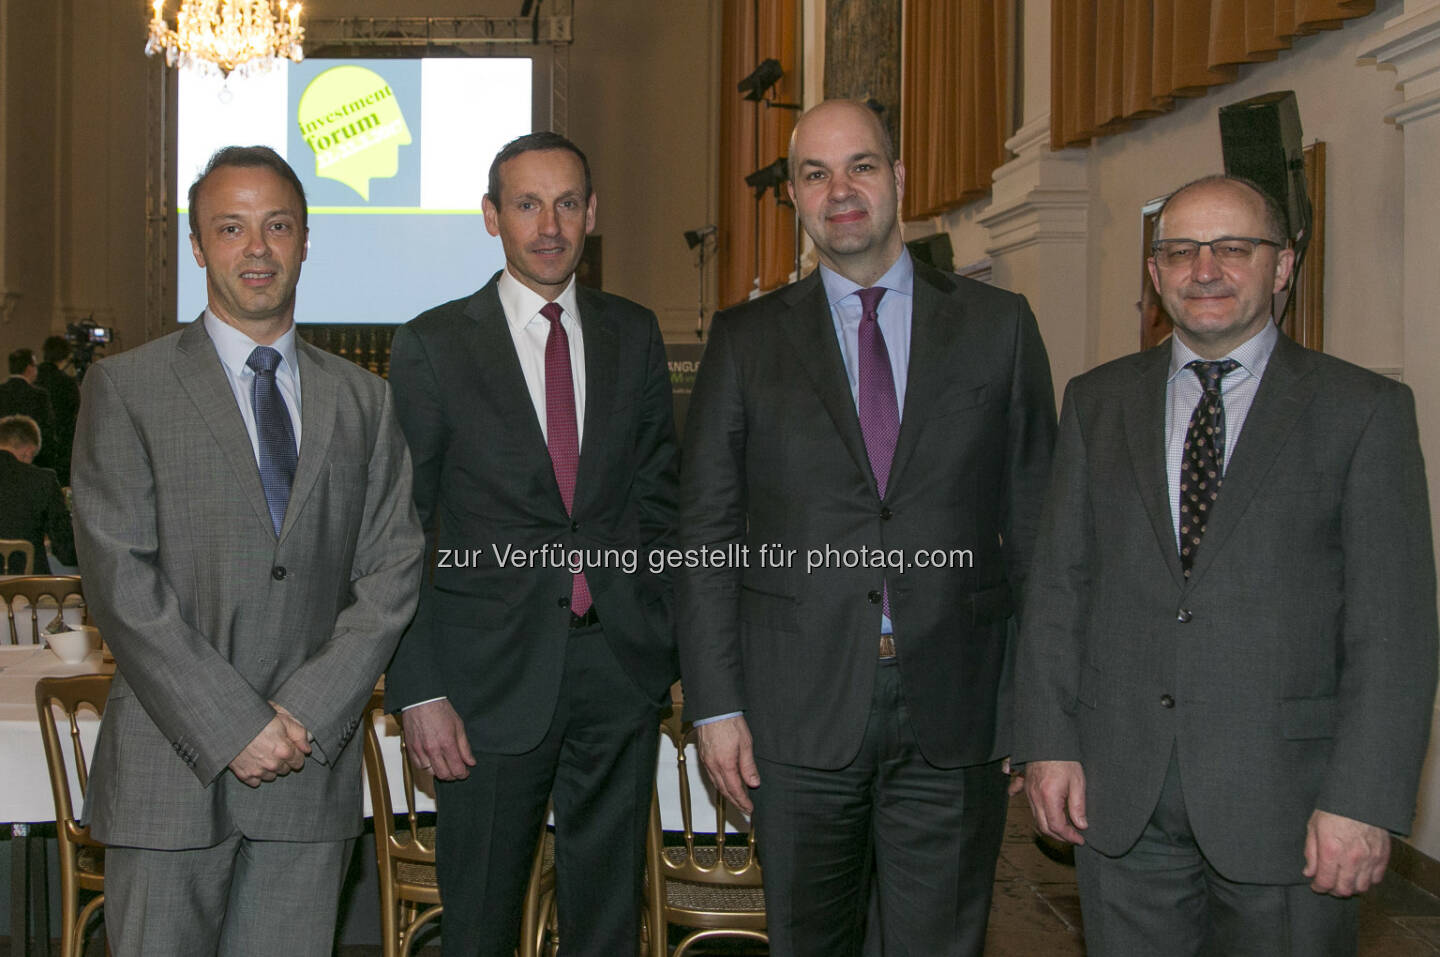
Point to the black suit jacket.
(490, 633)
(32, 507)
(774, 455)
(18, 397)
(1293, 670)
(65, 404)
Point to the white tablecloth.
(25, 792)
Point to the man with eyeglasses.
(1228, 650)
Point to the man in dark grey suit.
(878, 436)
(539, 415)
(1228, 651)
(251, 554)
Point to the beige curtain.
(754, 239)
(1115, 61)
(955, 88)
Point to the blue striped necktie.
(275, 431)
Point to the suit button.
(574, 526)
(1183, 616)
(563, 602)
(278, 573)
(1166, 701)
(886, 514)
(874, 597)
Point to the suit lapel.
(1285, 391)
(811, 332)
(198, 368)
(1145, 438)
(602, 371)
(318, 402)
(936, 323)
(500, 376)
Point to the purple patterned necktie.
(1202, 465)
(879, 409)
(562, 433)
(275, 431)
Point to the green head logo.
(351, 121)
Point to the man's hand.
(293, 728)
(1344, 856)
(272, 753)
(1056, 791)
(435, 737)
(729, 758)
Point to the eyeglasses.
(1231, 250)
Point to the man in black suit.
(878, 435)
(1229, 646)
(539, 417)
(20, 396)
(64, 402)
(31, 504)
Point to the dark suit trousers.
(1162, 897)
(598, 762)
(930, 836)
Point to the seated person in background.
(31, 505)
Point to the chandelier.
(227, 35)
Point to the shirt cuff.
(718, 717)
(426, 701)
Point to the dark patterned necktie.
(275, 431)
(879, 409)
(1202, 464)
(562, 433)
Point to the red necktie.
(562, 433)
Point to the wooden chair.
(57, 588)
(711, 885)
(9, 548)
(405, 857)
(82, 858)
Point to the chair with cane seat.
(82, 858)
(710, 884)
(405, 856)
(33, 589)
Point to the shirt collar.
(234, 347)
(522, 304)
(1253, 354)
(900, 277)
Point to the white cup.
(72, 647)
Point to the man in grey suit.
(251, 554)
(1228, 650)
(878, 436)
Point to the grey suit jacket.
(774, 455)
(210, 615)
(1294, 670)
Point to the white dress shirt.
(234, 347)
(530, 330)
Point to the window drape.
(754, 238)
(956, 88)
(1115, 61)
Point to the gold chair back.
(35, 589)
(405, 855)
(710, 882)
(82, 858)
(9, 548)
